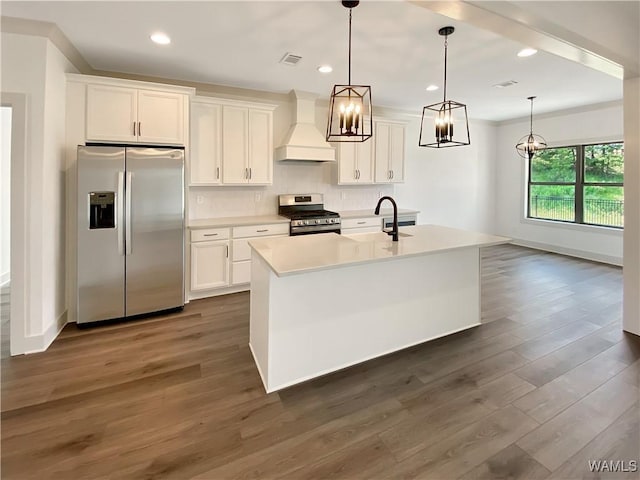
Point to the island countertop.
(308, 253)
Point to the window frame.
(579, 185)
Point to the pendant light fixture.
(350, 117)
(446, 114)
(530, 144)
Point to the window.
(579, 184)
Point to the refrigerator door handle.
(120, 212)
(127, 214)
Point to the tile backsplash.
(294, 177)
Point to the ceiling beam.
(523, 27)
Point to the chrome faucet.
(394, 232)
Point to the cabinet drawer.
(261, 230)
(361, 222)
(209, 234)
(241, 249)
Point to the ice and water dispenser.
(102, 210)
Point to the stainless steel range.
(308, 215)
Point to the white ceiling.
(396, 49)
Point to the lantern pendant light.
(350, 117)
(445, 113)
(530, 144)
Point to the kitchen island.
(320, 303)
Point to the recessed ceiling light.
(160, 38)
(432, 88)
(527, 52)
(325, 69)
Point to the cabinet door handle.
(391, 173)
(134, 129)
(358, 174)
(210, 234)
(361, 223)
(139, 129)
(246, 172)
(217, 172)
(355, 174)
(227, 251)
(263, 230)
(249, 173)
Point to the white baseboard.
(219, 291)
(5, 278)
(39, 343)
(572, 252)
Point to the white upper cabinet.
(389, 152)
(247, 145)
(260, 150)
(206, 144)
(235, 144)
(120, 111)
(231, 142)
(112, 113)
(355, 162)
(161, 117)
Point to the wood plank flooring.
(547, 384)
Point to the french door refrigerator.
(130, 252)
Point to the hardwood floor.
(547, 384)
(5, 332)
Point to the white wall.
(5, 194)
(33, 66)
(631, 307)
(598, 124)
(452, 186)
(54, 168)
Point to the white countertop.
(384, 212)
(308, 253)
(236, 221)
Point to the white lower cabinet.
(352, 226)
(241, 251)
(221, 257)
(209, 259)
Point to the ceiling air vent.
(506, 84)
(290, 59)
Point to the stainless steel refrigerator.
(130, 231)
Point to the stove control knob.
(317, 222)
(306, 222)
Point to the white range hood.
(303, 141)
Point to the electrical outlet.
(343, 195)
(257, 197)
(199, 199)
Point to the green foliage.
(554, 165)
(604, 163)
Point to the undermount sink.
(376, 237)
